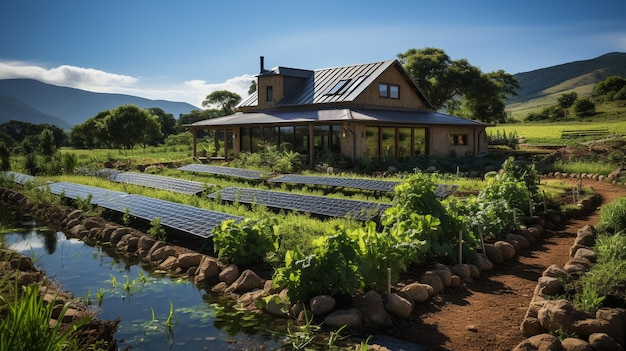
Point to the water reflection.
(157, 311)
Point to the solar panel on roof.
(159, 182)
(354, 183)
(19, 178)
(318, 205)
(226, 171)
(74, 191)
(189, 219)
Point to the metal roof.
(412, 117)
(318, 83)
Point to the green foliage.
(25, 324)
(613, 217)
(584, 108)
(69, 162)
(224, 98)
(156, 230)
(501, 137)
(332, 268)
(5, 157)
(270, 157)
(247, 241)
(612, 88)
(46, 145)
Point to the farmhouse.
(359, 112)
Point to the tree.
(457, 86)
(607, 89)
(167, 121)
(92, 133)
(5, 157)
(224, 98)
(584, 108)
(196, 116)
(46, 144)
(252, 88)
(129, 125)
(566, 101)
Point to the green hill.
(541, 88)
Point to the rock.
(76, 214)
(247, 281)
(521, 240)
(372, 308)
(507, 250)
(106, 233)
(550, 286)
(456, 281)
(73, 223)
(586, 254)
(117, 235)
(145, 243)
(418, 292)
(536, 231)
(617, 322)
(23, 264)
(433, 280)
(157, 245)
(462, 271)
(351, 318)
(209, 268)
(322, 304)
(160, 254)
(132, 243)
(585, 327)
(586, 236)
(577, 266)
(602, 341)
(229, 274)
(526, 234)
(189, 259)
(89, 224)
(483, 263)
(555, 272)
(531, 327)
(494, 254)
(574, 344)
(558, 315)
(541, 342)
(277, 305)
(398, 306)
(474, 271)
(170, 264)
(445, 275)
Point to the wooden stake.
(388, 281)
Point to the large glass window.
(419, 141)
(301, 142)
(287, 138)
(244, 143)
(270, 135)
(321, 139)
(335, 140)
(372, 139)
(404, 143)
(388, 143)
(255, 139)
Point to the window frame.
(386, 93)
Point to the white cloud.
(192, 91)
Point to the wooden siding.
(277, 83)
(409, 97)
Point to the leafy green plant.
(247, 241)
(613, 216)
(156, 230)
(26, 325)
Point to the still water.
(157, 312)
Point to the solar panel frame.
(180, 217)
(176, 185)
(317, 205)
(74, 191)
(344, 182)
(224, 171)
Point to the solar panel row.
(318, 205)
(353, 183)
(19, 178)
(225, 171)
(159, 182)
(189, 219)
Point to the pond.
(157, 311)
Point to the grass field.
(550, 133)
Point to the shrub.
(247, 241)
(613, 217)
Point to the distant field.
(550, 133)
(519, 111)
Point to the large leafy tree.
(227, 100)
(129, 125)
(167, 121)
(566, 101)
(93, 133)
(457, 86)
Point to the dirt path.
(486, 315)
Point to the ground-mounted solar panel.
(74, 191)
(19, 178)
(159, 182)
(317, 205)
(344, 182)
(224, 171)
(184, 218)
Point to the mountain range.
(36, 102)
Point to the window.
(386, 90)
(269, 95)
(458, 139)
(336, 90)
(355, 84)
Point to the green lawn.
(550, 133)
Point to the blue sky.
(183, 50)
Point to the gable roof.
(347, 82)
